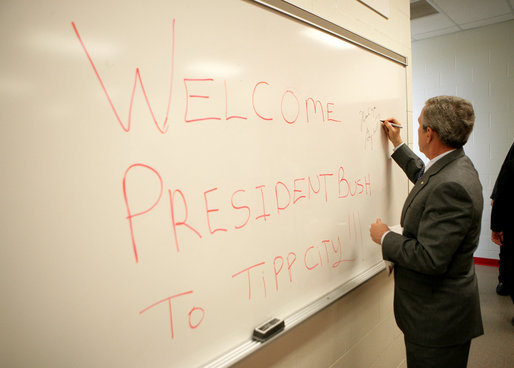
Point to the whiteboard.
(176, 173)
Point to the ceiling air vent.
(421, 8)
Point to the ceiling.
(456, 15)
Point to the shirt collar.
(435, 159)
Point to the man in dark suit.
(502, 217)
(436, 302)
(504, 284)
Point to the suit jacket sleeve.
(410, 163)
(443, 223)
(503, 201)
(509, 157)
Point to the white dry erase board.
(176, 173)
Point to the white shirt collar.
(435, 159)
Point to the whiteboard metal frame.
(248, 347)
(307, 17)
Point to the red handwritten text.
(199, 91)
(198, 311)
(327, 253)
(286, 194)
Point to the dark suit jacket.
(509, 157)
(502, 214)
(436, 299)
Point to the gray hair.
(451, 117)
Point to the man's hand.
(377, 230)
(497, 237)
(393, 133)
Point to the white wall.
(477, 65)
(359, 330)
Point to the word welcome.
(201, 99)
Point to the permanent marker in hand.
(393, 124)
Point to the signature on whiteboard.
(370, 125)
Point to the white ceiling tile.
(435, 33)
(430, 23)
(457, 15)
(488, 21)
(468, 11)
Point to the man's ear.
(430, 134)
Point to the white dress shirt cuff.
(383, 236)
(398, 146)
